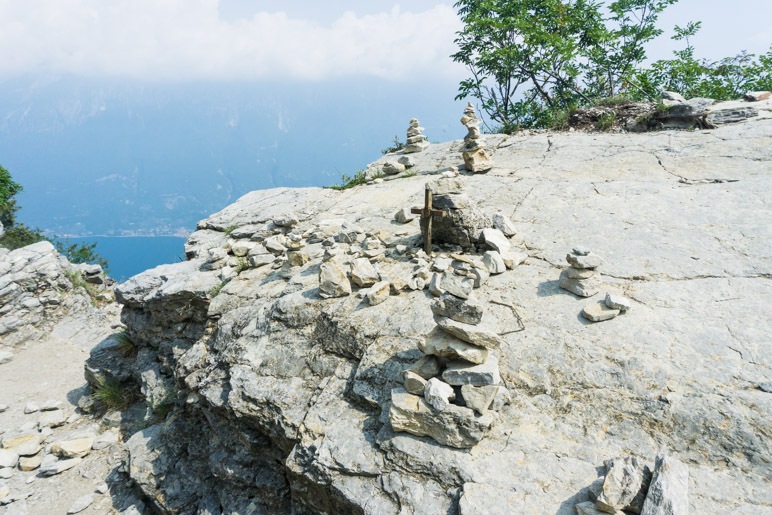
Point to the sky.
(305, 40)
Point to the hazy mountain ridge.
(125, 158)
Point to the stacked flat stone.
(463, 220)
(475, 156)
(451, 392)
(416, 141)
(581, 277)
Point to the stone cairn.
(451, 393)
(475, 156)
(581, 277)
(416, 141)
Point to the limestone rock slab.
(456, 426)
(475, 334)
(460, 373)
(668, 493)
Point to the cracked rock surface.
(282, 396)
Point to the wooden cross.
(426, 219)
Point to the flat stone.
(333, 281)
(474, 334)
(286, 221)
(496, 240)
(479, 398)
(104, 440)
(504, 224)
(624, 486)
(581, 251)
(54, 418)
(31, 407)
(458, 373)
(414, 383)
(258, 260)
(6, 473)
(8, 458)
(404, 216)
(446, 186)
(5, 357)
(80, 504)
(51, 405)
(494, 262)
(103, 488)
(619, 302)
(28, 463)
(75, 448)
(591, 261)
(599, 312)
(393, 168)
(757, 96)
(668, 493)
(512, 258)
(580, 273)
(459, 286)
(4, 407)
(477, 160)
(580, 287)
(438, 394)
(427, 367)
(54, 466)
(25, 444)
(5, 491)
(439, 343)
(363, 273)
(730, 115)
(466, 311)
(378, 293)
(455, 426)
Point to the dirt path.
(50, 371)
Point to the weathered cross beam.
(426, 219)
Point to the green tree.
(8, 190)
(725, 79)
(531, 59)
(17, 235)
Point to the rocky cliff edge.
(281, 397)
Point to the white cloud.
(184, 39)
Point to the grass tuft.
(111, 394)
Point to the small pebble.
(31, 407)
(103, 488)
(80, 504)
(3, 407)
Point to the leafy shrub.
(112, 395)
(396, 146)
(360, 177)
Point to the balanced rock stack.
(475, 157)
(416, 141)
(463, 220)
(581, 277)
(451, 393)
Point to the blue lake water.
(128, 256)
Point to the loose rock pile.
(416, 141)
(475, 156)
(629, 486)
(450, 393)
(52, 442)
